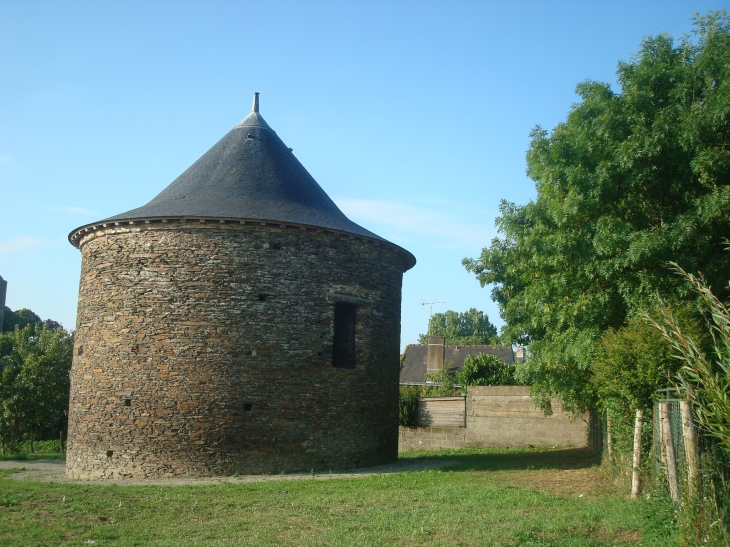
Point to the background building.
(422, 359)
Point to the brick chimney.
(436, 347)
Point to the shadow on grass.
(508, 460)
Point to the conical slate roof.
(249, 174)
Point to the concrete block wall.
(431, 438)
(500, 416)
(441, 412)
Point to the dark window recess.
(109, 453)
(127, 402)
(247, 407)
(263, 297)
(343, 345)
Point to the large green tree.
(19, 318)
(465, 329)
(630, 181)
(34, 382)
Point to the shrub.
(486, 370)
(408, 405)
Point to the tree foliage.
(633, 362)
(442, 383)
(485, 370)
(704, 377)
(470, 328)
(20, 318)
(630, 181)
(34, 382)
(24, 317)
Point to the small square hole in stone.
(109, 453)
(263, 297)
(248, 407)
(127, 402)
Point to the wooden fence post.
(668, 446)
(609, 437)
(690, 448)
(635, 478)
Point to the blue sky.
(413, 116)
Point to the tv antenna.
(430, 306)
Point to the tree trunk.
(690, 447)
(671, 458)
(635, 477)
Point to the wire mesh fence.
(689, 459)
(674, 434)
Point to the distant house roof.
(413, 368)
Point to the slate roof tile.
(250, 174)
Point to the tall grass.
(704, 380)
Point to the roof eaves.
(75, 236)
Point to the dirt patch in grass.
(562, 482)
(568, 472)
(629, 536)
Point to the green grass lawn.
(491, 497)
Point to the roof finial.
(255, 107)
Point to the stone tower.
(237, 323)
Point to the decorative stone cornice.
(77, 236)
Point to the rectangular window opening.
(343, 345)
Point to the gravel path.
(55, 471)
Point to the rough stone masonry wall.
(205, 349)
(500, 416)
